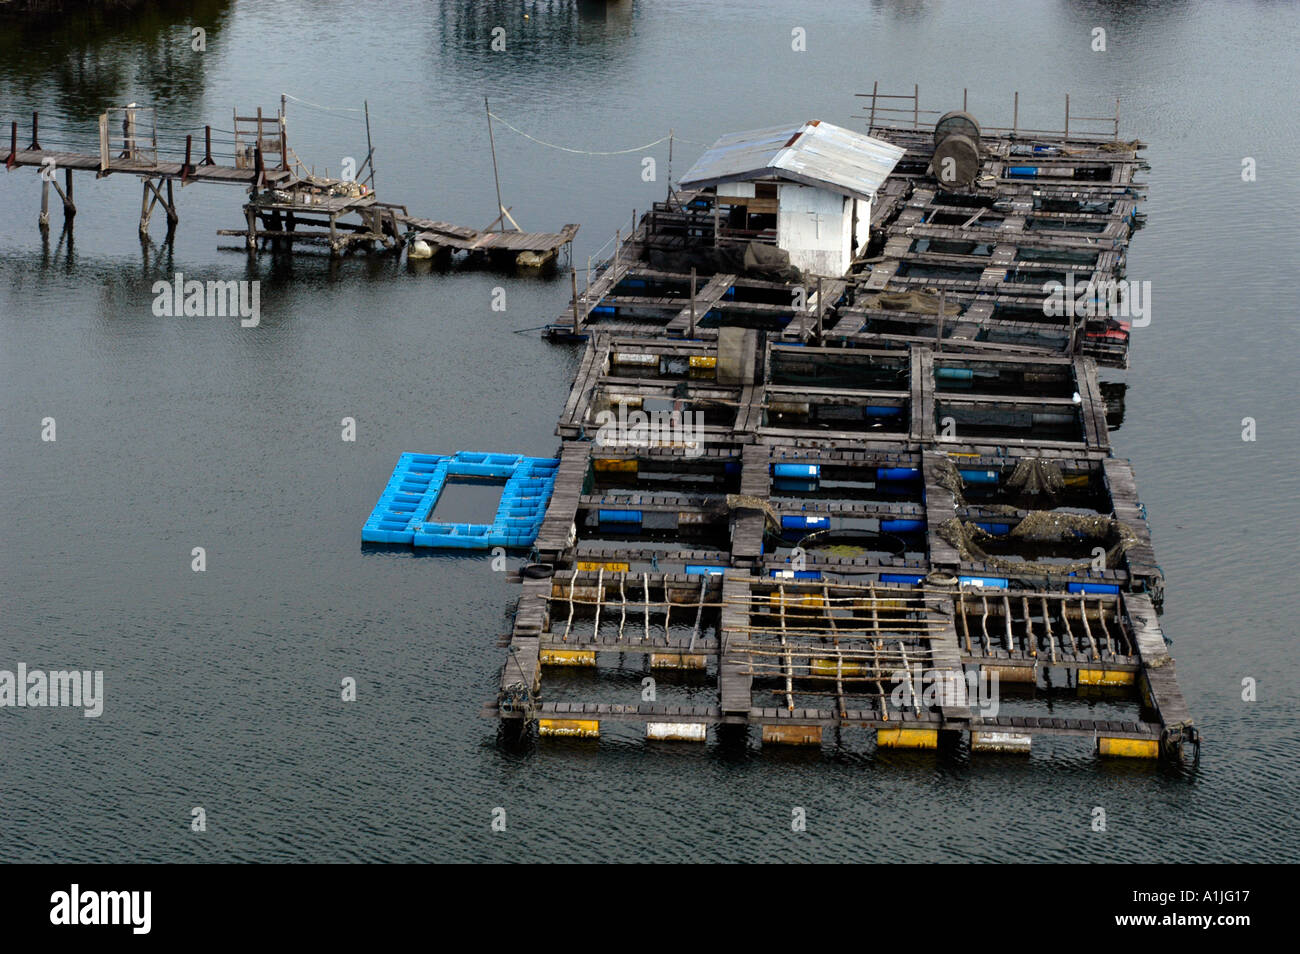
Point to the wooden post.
(370, 146)
(692, 329)
(916, 105)
(44, 220)
(1015, 115)
(670, 165)
(1069, 345)
(284, 136)
(145, 209)
(938, 333)
(69, 207)
(172, 217)
(495, 177)
(573, 278)
(186, 168)
(618, 242)
(820, 307)
(13, 145)
(207, 147)
(128, 135)
(1067, 115)
(36, 140)
(1117, 119)
(871, 121)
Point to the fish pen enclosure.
(800, 662)
(871, 508)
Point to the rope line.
(330, 109)
(580, 152)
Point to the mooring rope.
(580, 152)
(516, 129)
(331, 109)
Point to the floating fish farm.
(836, 464)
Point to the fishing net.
(753, 259)
(1041, 528)
(922, 301)
(1032, 476)
(748, 502)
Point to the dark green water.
(222, 687)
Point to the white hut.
(811, 186)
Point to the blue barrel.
(797, 574)
(620, 516)
(954, 374)
(901, 526)
(797, 470)
(797, 522)
(980, 476)
(905, 578)
(984, 582)
(703, 569)
(1093, 588)
(1022, 171)
(997, 529)
(898, 473)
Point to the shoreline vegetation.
(45, 8)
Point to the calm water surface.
(222, 687)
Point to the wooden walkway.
(287, 205)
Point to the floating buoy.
(420, 249)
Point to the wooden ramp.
(459, 238)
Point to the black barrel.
(956, 122)
(956, 162)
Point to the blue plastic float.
(404, 508)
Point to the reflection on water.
(545, 36)
(86, 62)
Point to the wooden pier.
(288, 204)
(880, 501)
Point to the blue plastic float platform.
(403, 512)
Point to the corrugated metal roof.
(816, 154)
